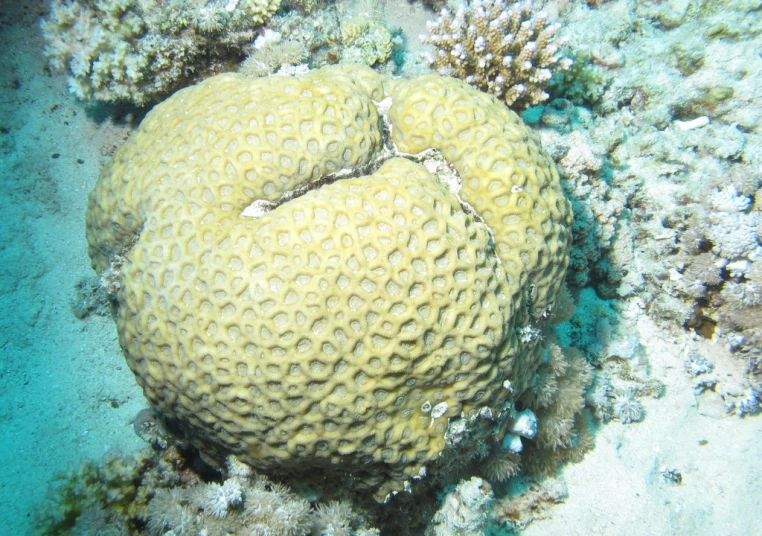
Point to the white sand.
(618, 490)
(58, 375)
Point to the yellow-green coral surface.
(318, 334)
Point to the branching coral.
(502, 48)
(139, 51)
(584, 83)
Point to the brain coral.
(297, 288)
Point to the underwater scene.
(391, 267)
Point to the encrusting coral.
(500, 47)
(141, 50)
(365, 41)
(300, 295)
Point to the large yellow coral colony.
(319, 272)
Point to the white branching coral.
(500, 47)
(728, 200)
(734, 235)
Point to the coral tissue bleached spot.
(257, 209)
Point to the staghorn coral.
(502, 48)
(318, 291)
(141, 50)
